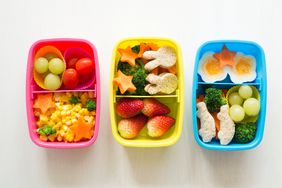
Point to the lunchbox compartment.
(143, 138)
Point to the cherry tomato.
(72, 62)
(84, 66)
(70, 78)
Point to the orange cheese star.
(225, 57)
(153, 46)
(128, 56)
(124, 82)
(82, 130)
(44, 102)
(143, 48)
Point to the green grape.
(234, 98)
(245, 92)
(251, 107)
(50, 56)
(52, 82)
(237, 113)
(41, 65)
(56, 66)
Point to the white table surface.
(106, 163)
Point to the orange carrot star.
(143, 48)
(128, 56)
(124, 82)
(44, 102)
(225, 57)
(82, 130)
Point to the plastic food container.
(66, 47)
(248, 48)
(174, 101)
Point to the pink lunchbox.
(67, 47)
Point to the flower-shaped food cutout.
(164, 83)
(164, 57)
(210, 70)
(244, 69)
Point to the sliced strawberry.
(127, 108)
(130, 128)
(159, 125)
(152, 107)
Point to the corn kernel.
(59, 138)
(43, 137)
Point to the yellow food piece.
(64, 115)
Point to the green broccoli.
(245, 133)
(74, 100)
(139, 76)
(46, 130)
(90, 105)
(136, 49)
(214, 99)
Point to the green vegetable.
(90, 105)
(214, 99)
(46, 130)
(136, 49)
(74, 100)
(139, 76)
(245, 133)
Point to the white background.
(106, 163)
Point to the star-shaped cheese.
(143, 48)
(225, 57)
(124, 82)
(82, 130)
(44, 102)
(128, 56)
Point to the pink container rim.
(31, 124)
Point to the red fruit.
(84, 66)
(152, 107)
(127, 108)
(70, 78)
(159, 125)
(72, 62)
(130, 128)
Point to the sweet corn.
(43, 138)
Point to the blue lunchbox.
(248, 48)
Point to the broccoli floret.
(90, 105)
(73, 100)
(46, 130)
(245, 133)
(139, 76)
(214, 99)
(136, 49)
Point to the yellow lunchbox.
(174, 101)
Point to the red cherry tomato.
(84, 66)
(70, 78)
(72, 62)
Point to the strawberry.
(159, 125)
(127, 108)
(152, 107)
(130, 128)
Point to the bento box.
(229, 95)
(146, 92)
(63, 93)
